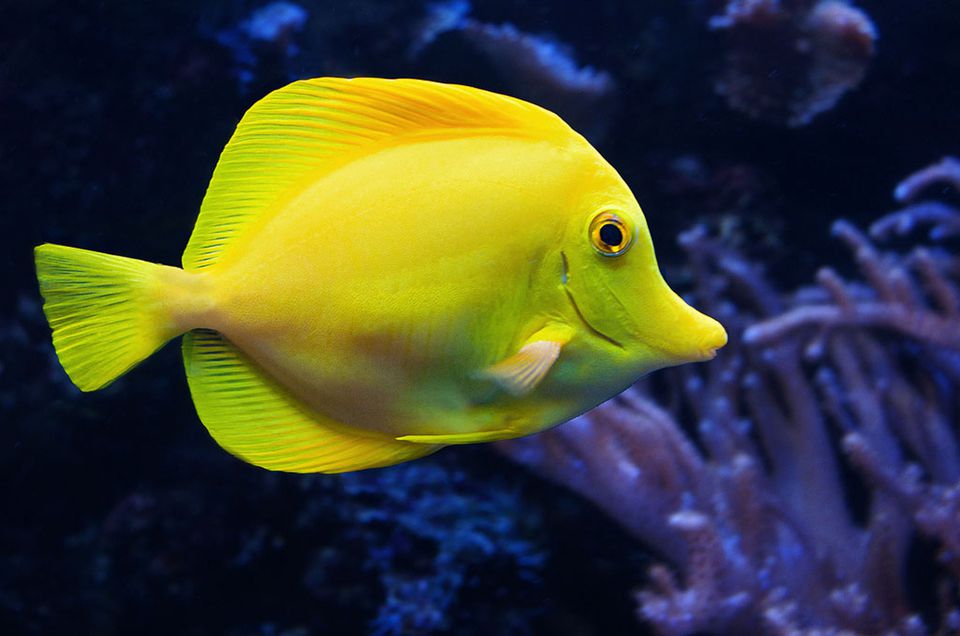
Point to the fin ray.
(104, 310)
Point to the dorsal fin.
(311, 127)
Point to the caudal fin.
(106, 312)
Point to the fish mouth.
(715, 341)
(576, 309)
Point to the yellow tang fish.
(384, 267)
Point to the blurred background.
(793, 161)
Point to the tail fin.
(106, 312)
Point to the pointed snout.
(685, 334)
(710, 337)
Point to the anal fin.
(252, 417)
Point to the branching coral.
(763, 529)
(789, 60)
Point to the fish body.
(384, 267)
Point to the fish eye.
(609, 234)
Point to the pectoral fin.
(525, 369)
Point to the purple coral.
(940, 218)
(789, 60)
(759, 527)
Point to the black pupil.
(611, 235)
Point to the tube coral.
(826, 439)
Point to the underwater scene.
(480, 317)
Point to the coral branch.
(946, 171)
